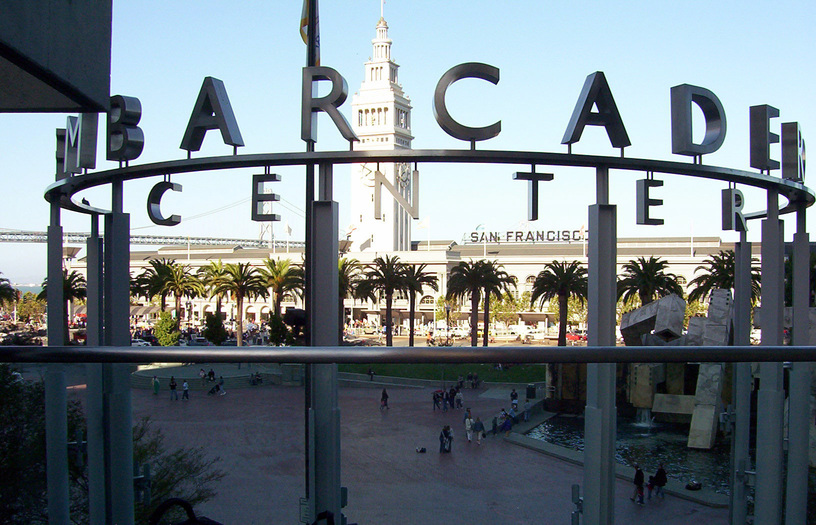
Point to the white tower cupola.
(381, 118)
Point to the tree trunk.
(486, 320)
(562, 319)
(389, 339)
(412, 311)
(278, 301)
(474, 317)
(239, 300)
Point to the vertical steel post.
(325, 434)
(740, 455)
(116, 377)
(768, 493)
(600, 425)
(93, 372)
(56, 404)
(799, 398)
(311, 60)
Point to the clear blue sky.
(746, 52)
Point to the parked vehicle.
(139, 342)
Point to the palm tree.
(496, 283)
(282, 277)
(211, 276)
(182, 281)
(466, 280)
(647, 279)
(74, 287)
(387, 276)
(242, 281)
(415, 278)
(718, 272)
(349, 274)
(8, 295)
(151, 282)
(560, 280)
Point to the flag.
(424, 223)
(288, 230)
(304, 28)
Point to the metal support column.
(740, 439)
(799, 398)
(93, 371)
(768, 494)
(56, 403)
(116, 399)
(325, 433)
(600, 425)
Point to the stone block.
(675, 378)
(703, 429)
(664, 317)
(673, 404)
(720, 306)
(716, 334)
(696, 331)
(671, 311)
(709, 384)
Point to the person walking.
(185, 391)
(384, 400)
(370, 374)
(173, 385)
(460, 399)
(658, 482)
(469, 428)
(479, 428)
(527, 407)
(155, 384)
(203, 376)
(221, 391)
(436, 404)
(638, 481)
(445, 439)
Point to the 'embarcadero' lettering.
(76, 147)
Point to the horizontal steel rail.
(401, 354)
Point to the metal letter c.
(154, 204)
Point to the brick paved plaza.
(258, 432)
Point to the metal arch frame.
(63, 190)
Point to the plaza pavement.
(258, 432)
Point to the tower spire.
(382, 4)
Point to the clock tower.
(381, 118)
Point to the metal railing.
(391, 354)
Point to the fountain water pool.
(649, 444)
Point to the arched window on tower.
(359, 117)
(385, 116)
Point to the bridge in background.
(154, 240)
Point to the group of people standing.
(453, 398)
(185, 386)
(656, 484)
